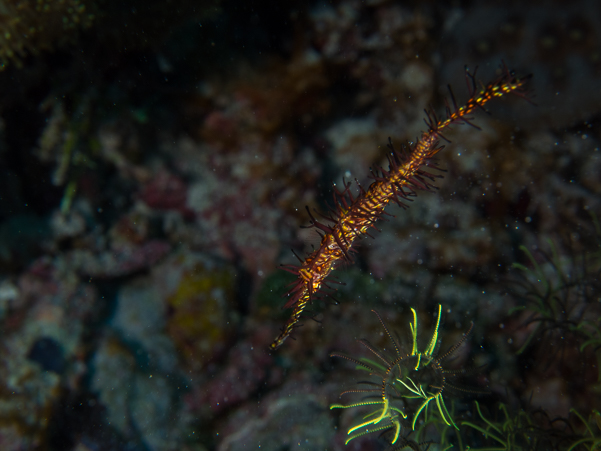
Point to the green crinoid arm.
(385, 412)
(380, 412)
(366, 423)
(422, 407)
(434, 339)
(358, 404)
(396, 424)
(444, 412)
(416, 390)
(376, 365)
(442, 409)
(413, 327)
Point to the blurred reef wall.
(157, 158)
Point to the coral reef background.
(157, 158)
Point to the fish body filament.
(352, 217)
